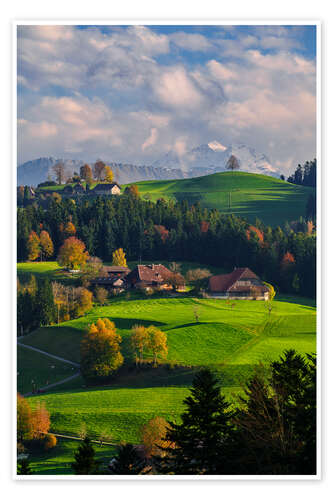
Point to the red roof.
(225, 282)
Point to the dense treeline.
(305, 175)
(167, 230)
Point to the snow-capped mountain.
(203, 160)
(214, 156)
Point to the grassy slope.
(57, 460)
(228, 340)
(33, 366)
(252, 195)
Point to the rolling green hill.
(251, 195)
(230, 340)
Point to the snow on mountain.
(214, 156)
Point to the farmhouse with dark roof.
(106, 189)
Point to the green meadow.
(246, 195)
(230, 340)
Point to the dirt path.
(50, 386)
(48, 354)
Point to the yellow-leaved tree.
(139, 342)
(108, 174)
(33, 246)
(72, 253)
(46, 245)
(119, 258)
(157, 343)
(100, 351)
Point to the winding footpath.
(58, 358)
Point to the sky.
(132, 93)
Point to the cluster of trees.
(272, 430)
(100, 348)
(305, 175)
(148, 342)
(99, 172)
(71, 302)
(194, 234)
(42, 303)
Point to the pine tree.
(198, 445)
(23, 467)
(44, 302)
(127, 462)
(85, 463)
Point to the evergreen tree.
(23, 467)
(127, 462)
(85, 463)
(200, 443)
(45, 308)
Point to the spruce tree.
(127, 462)
(85, 463)
(198, 445)
(23, 467)
(45, 307)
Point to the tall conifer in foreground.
(199, 443)
(85, 463)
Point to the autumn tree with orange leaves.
(153, 436)
(40, 421)
(72, 253)
(33, 246)
(100, 351)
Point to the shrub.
(50, 441)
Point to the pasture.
(230, 340)
(246, 195)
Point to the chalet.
(149, 276)
(242, 283)
(106, 189)
(112, 276)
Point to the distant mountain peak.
(217, 146)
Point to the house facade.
(241, 283)
(152, 276)
(106, 189)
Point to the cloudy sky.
(132, 93)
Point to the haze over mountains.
(205, 159)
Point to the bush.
(50, 441)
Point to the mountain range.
(203, 160)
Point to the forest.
(176, 231)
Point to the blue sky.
(132, 93)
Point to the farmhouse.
(79, 189)
(112, 276)
(242, 283)
(105, 189)
(149, 276)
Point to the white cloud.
(176, 89)
(191, 41)
(151, 140)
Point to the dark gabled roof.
(150, 273)
(78, 187)
(226, 282)
(106, 186)
(68, 188)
